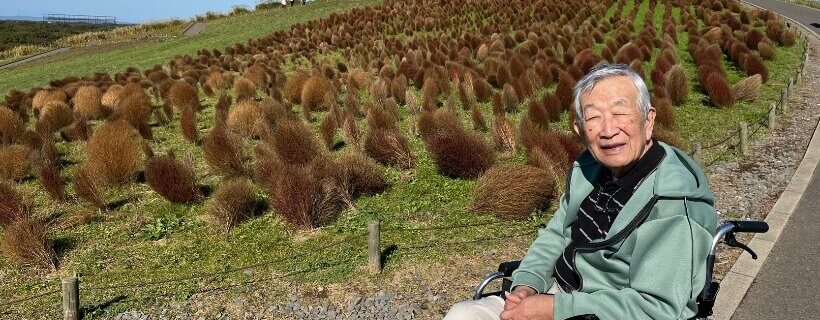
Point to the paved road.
(809, 17)
(788, 283)
(32, 58)
(194, 29)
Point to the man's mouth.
(613, 148)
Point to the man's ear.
(577, 129)
(650, 123)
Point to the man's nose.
(609, 128)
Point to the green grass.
(150, 240)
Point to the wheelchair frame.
(706, 299)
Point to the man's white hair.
(602, 72)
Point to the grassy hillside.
(218, 34)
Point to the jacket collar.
(677, 176)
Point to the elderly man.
(634, 226)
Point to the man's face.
(614, 130)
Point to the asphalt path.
(809, 17)
(32, 58)
(194, 29)
(787, 284)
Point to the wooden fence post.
(375, 260)
(744, 139)
(697, 153)
(784, 101)
(772, 116)
(71, 298)
(791, 86)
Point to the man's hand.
(535, 307)
(515, 297)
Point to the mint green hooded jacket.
(652, 263)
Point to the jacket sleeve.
(666, 272)
(536, 268)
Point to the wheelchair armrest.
(508, 267)
(505, 270)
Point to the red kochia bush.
(719, 91)
(754, 65)
(458, 153)
(294, 142)
(172, 179)
(677, 86)
(308, 196)
(564, 88)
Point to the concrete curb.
(737, 282)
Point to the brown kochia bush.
(115, 151)
(222, 151)
(676, 85)
(47, 95)
(243, 89)
(53, 117)
(234, 201)
(11, 127)
(512, 191)
(15, 162)
(183, 95)
(172, 179)
(25, 242)
(316, 93)
(48, 173)
(88, 102)
(361, 175)
(748, 89)
(766, 50)
(389, 147)
(11, 206)
(88, 185)
(244, 118)
(292, 89)
(111, 97)
(294, 142)
(187, 124)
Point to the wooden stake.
(71, 298)
(375, 260)
(772, 116)
(744, 139)
(697, 153)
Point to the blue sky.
(126, 11)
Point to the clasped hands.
(523, 303)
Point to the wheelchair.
(706, 299)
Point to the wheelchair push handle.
(749, 226)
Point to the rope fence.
(71, 286)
